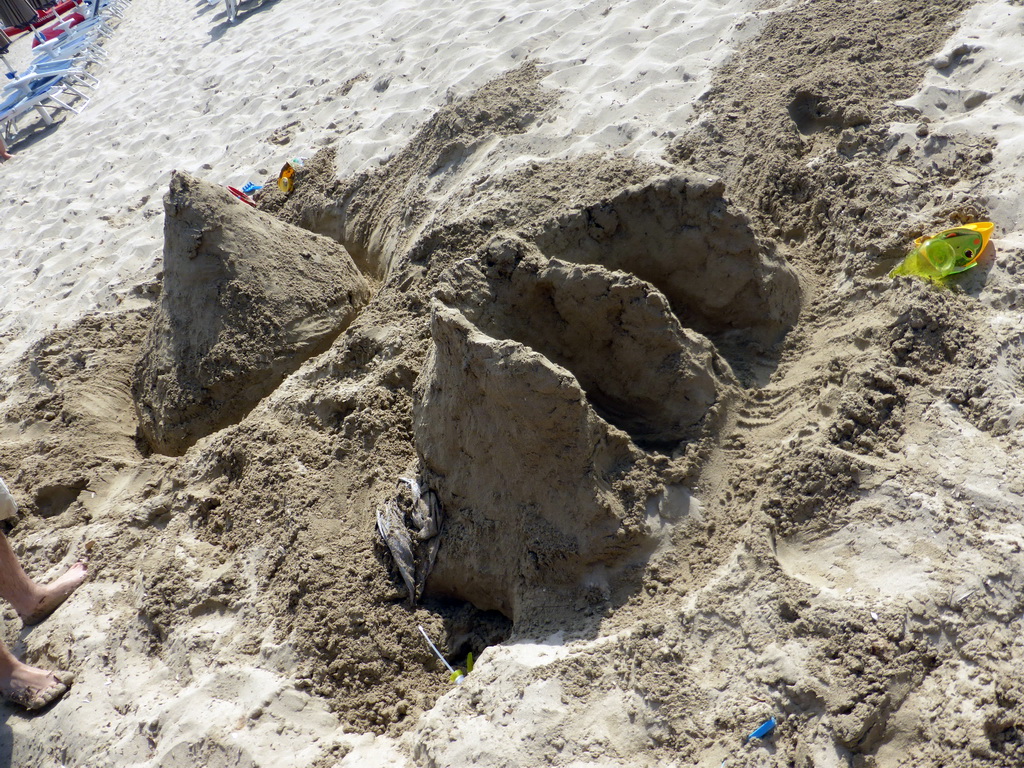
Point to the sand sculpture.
(693, 461)
(245, 300)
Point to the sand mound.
(823, 530)
(640, 368)
(246, 299)
(376, 213)
(682, 235)
(525, 470)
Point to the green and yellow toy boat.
(946, 253)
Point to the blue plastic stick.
(763, 730)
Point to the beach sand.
(623, 308)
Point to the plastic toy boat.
(946, 253)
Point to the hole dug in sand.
(53, 500)
(820, 106)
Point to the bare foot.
(53, 594)
(34, 688)
(6, 156)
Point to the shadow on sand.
(31, 136)
(245, 11)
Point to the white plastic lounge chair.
(96, 26)
(31, 83)
(63, 46)
(95, 23)
(15, 106)
(98, 10)
(68, 67)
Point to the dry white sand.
(973, 86)
(231, 103)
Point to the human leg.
(29, 687)
(4, 154)
(34, 602)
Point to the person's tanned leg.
(29, 687)
(4, 154)
(32, 601)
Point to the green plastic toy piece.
(457, 674)
(947, 253)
